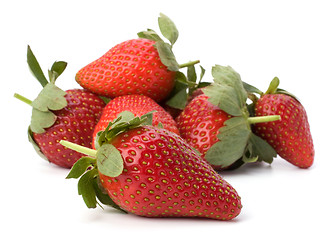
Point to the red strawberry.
(200, 122)
(216, 122)
(157, 174)
(131, 67)
(59, 115)
(138, 105)
(138, 66)
(75, 123)
(290, 137)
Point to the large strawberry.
(138, 105)
(152, 172)
(60, 115)
(217, 123)
(139, 66)
(291, 137)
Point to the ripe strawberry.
(290, 137)
(138, 105)
(216, 122)
(199, 123)
(139, 66)
(75, 122)
(59, 115)
(131, 67)
(157, 174)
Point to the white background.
(293, 40)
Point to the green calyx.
(51, 97)
(185, 84)
(236, 139)
(30, 132)
(272, 89)
(106, 159)
(170, 32)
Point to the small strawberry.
(199, 123)
(290, 137)
(152, 172)
(139, 66)
(138, 105)
(58, 115)
(216, 122)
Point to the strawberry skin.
(138, 105)
(131, 67)
(164, 177)
(290, 137)
(75, 123)
(199, 123)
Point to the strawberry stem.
(23, 99)
(262, 119)
(78, 148)
(189, 64)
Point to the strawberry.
(131, 67)
(291, 137)
(199, 123)
(145, 66)
(138, 105)
(216, 122)
(57, 114)
(152, 172)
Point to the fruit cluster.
(146, 138)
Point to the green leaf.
(179, 94)
(105, 99)
(225, 97)
(228, 76)
(125, 121)
(51, 97)
(126, 116)
(273, 86)
(168, 28)
(151, 35)
(109, 161)
(56, 70)
(41, 120)
(282, 91)
(59, 67)
(80, 167)
(237, 164)
(233, 139)
(166, 55)
(35, 68)
(248, 156)
(262, 149)
(202, 73)
(35, 145)
(146, 119)
(251, 89)
(191, 74)
(181, 81)
(204, 84)
(178, 100)
(86, 188)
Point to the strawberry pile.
(146, 138)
